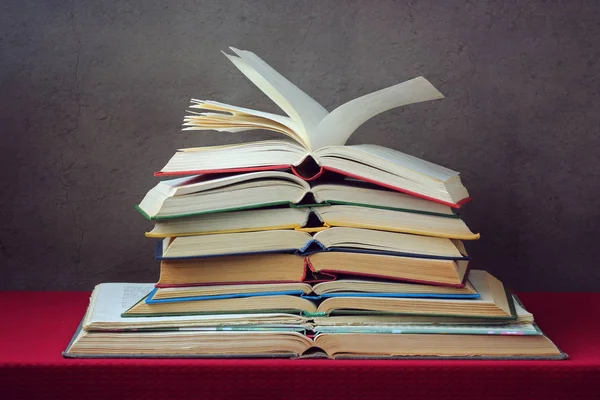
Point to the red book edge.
(316, 176)
(397, 189)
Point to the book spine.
(310, 178)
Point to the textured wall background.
(92, 95)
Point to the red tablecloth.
(36, 328)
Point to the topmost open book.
(318, 137)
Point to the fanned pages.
(230, 118)
(320, 137)
(312, 125)
(301, 108)
(336, 128)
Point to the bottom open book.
(292, 344)
(105, 333)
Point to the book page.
(393, 158)
(302, 108)
(266, 87)
(231, 222)
(338, 126)
(109, 300)
(396, 221)
(229, 117)
(369, 239)
(203, 183)
(522, 313)
(112, 299)
(247, 242)
(351, 193)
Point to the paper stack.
(308, 247)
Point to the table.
(36, 327)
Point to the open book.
(328, 265)
(318, 137)
(295, 256)
(337, 239)
(207, 194)
(494, 302)
(337, 288)
(324, 218)
(213, 343)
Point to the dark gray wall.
(92, 95)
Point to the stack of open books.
(308, 247)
